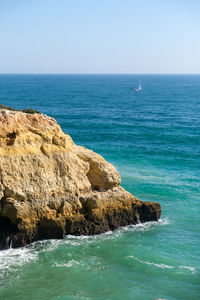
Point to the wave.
(146, 226)
(88, 263)
(68, 264)
(10, 259)
(117, 232)
(82, 240)
(163, 266)
(192, 269)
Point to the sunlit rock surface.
(50, 187)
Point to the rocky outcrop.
(50, 187)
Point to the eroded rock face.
(50, 187)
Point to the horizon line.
(99, 73)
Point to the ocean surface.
(153, 139)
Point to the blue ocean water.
(153, 140)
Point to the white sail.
(139, 87)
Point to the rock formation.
(50, 187)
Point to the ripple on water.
(163, 266)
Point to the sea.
(153, 139)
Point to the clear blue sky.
(99, 36)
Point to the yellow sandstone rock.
(50, 187)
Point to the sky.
(100, 36)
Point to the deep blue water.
(153, 140)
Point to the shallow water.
(153, 139)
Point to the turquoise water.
(153, 139)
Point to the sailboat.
(139, 89)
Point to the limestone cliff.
(50, 187)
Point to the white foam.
(146, 226)
(78, 237)
(91, 263)
(76, 240)
(193, 270)
(68, 264)
(11, 258)
(163, 266)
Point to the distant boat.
(139, 89)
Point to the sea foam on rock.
(50, 187)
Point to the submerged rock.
(50, 187)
